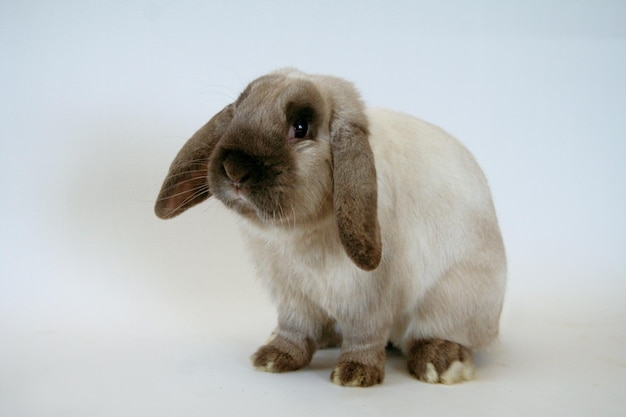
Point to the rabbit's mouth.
(276, 206)
(257, 186)
(258, 204)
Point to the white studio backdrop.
(97, 97)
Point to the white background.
(107, 311)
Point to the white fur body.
(443, 267)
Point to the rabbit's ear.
(355, 190)
(187, 183)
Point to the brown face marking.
(432, 360)
(253, 168)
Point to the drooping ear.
(187, 183)
(355, 189)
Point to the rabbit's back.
(436, 216)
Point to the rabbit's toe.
(440, 361)
(271, 359)
(355, 374)
(282, 355)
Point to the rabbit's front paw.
(355, 374)
(282, 355)
(440, 361)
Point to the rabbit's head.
(291, 151)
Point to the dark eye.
(300, 129)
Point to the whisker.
(193, 174)
(282, 214)
(219, 88)
(196, 191)
(176, 184)
(213, 92)
(191, 198)
(203, 159)
(179, 193)
(190, 171)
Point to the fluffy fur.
(367, 226)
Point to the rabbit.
(370, 228)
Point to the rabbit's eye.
(300, 129)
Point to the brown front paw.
(282, 355)
(355, 374)
(271, 359)
(440, 361)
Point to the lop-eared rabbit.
(369, 227)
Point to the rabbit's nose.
(238, 167)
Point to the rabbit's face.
(291, 150)
(273, 162)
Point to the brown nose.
(238, 167)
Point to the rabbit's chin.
(279, 213)
(265, 213)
